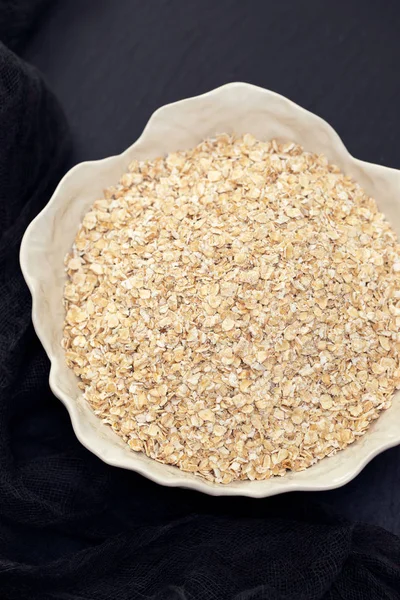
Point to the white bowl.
(234, 108)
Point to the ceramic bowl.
(234, 108)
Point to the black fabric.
(17, 17)
(73, 528)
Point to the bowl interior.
(235, 108)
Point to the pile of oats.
(234, 309)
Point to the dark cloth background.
(71, 527)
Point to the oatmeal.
(234, 309)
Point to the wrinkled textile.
(17, 17)
(73, 528)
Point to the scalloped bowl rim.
(256, 489)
